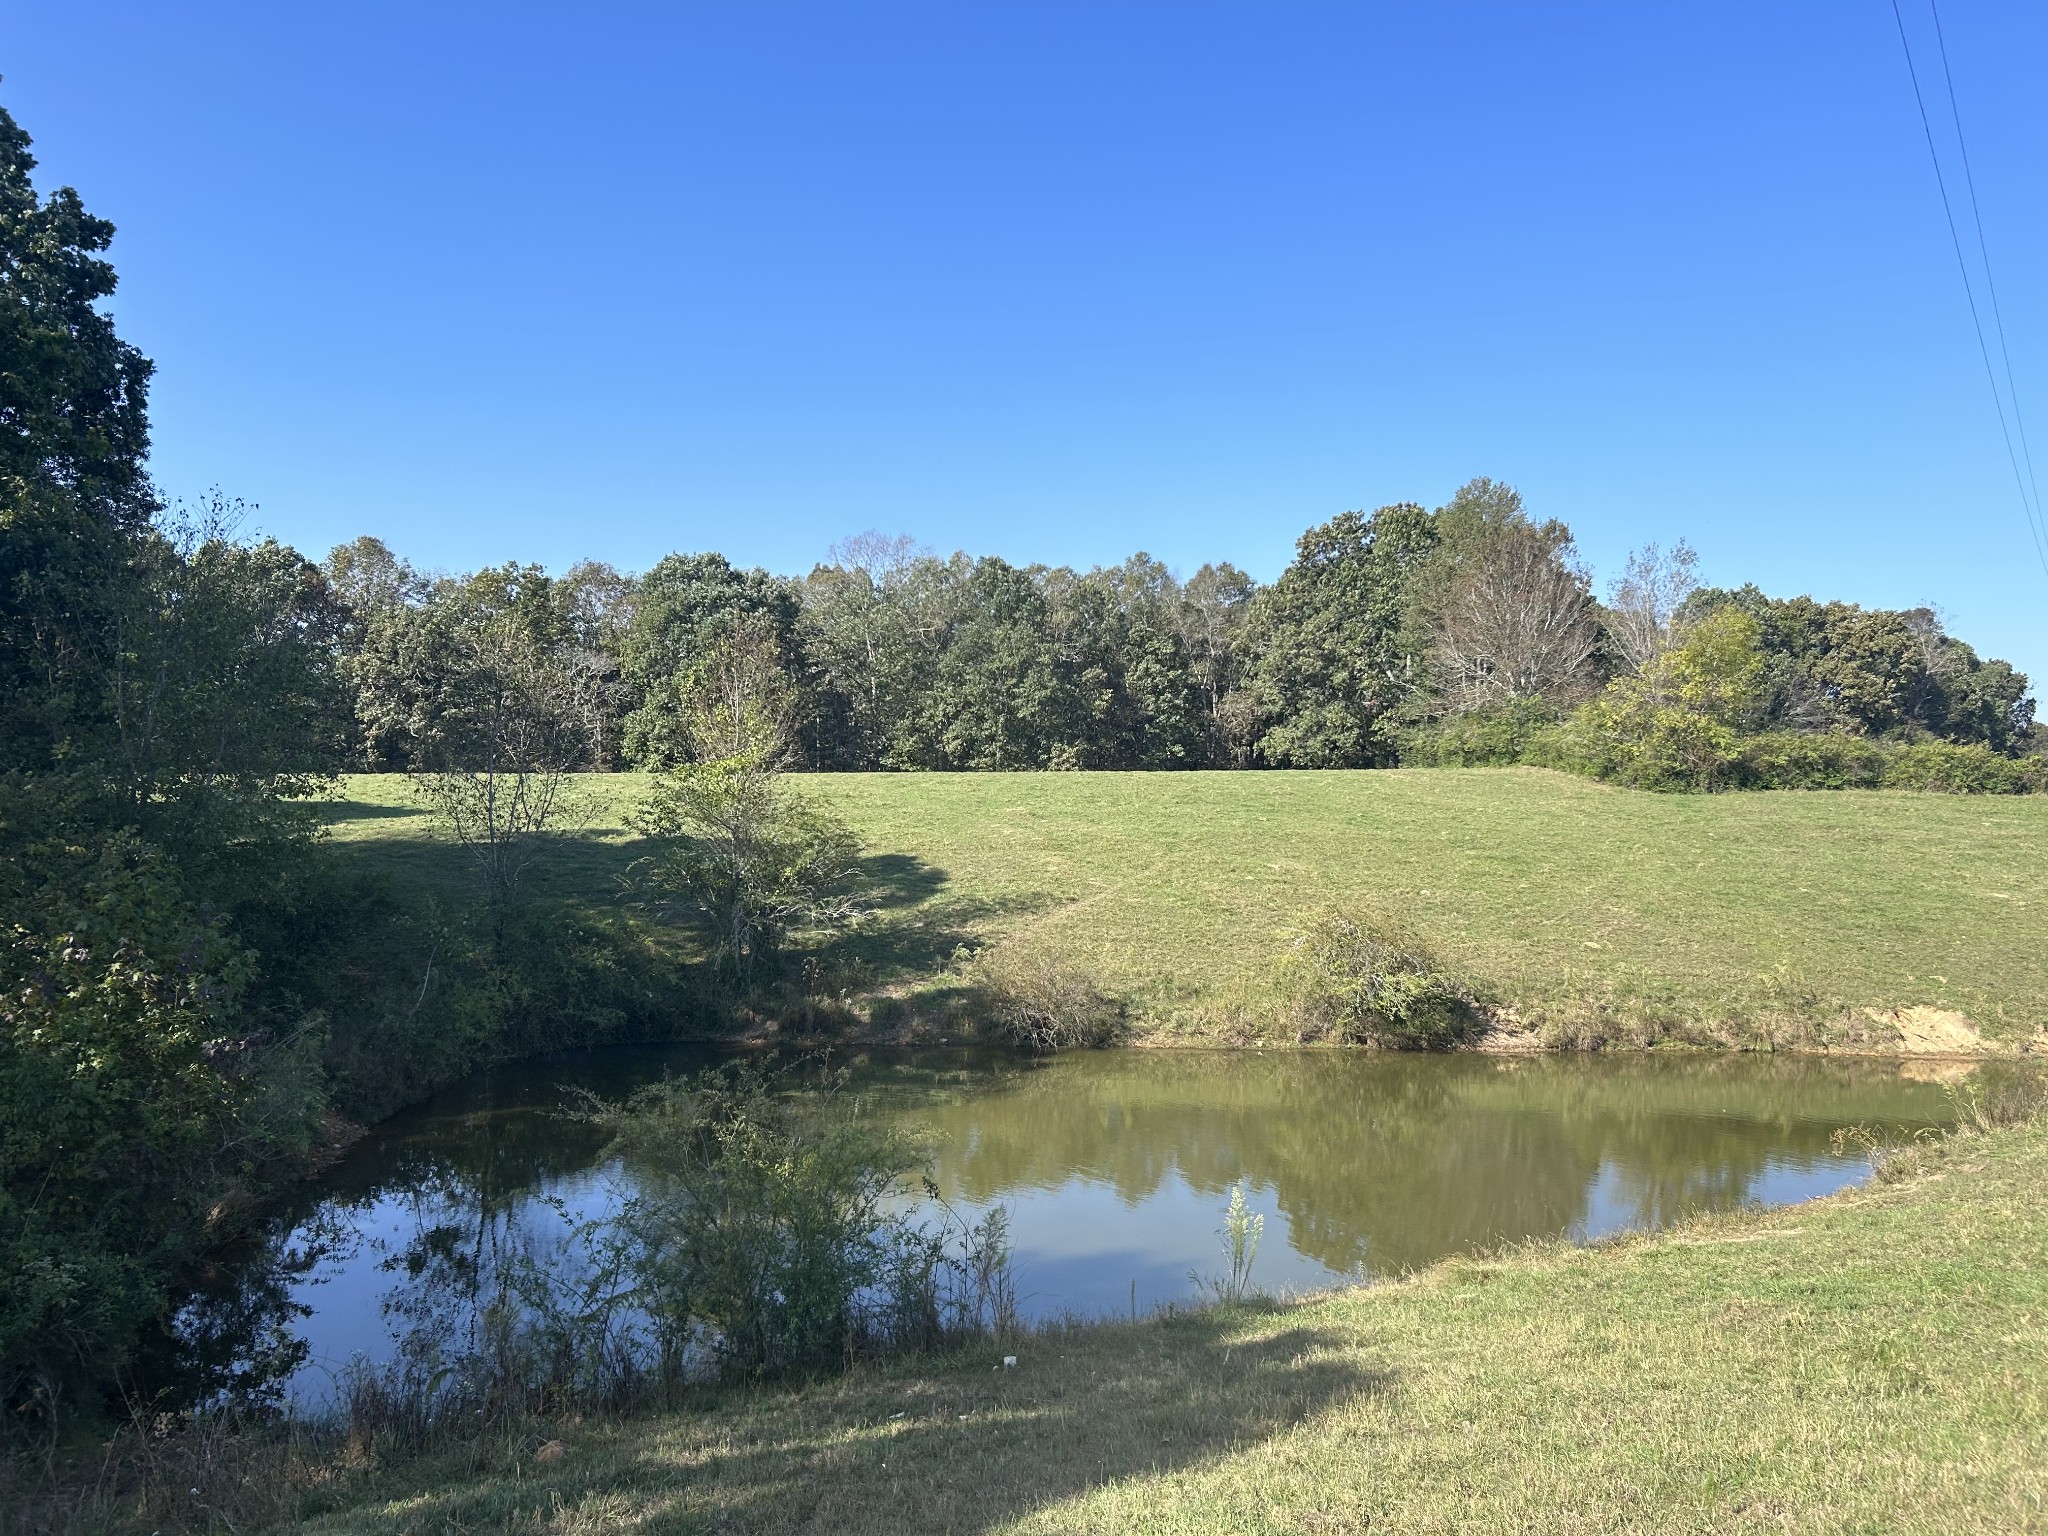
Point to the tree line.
(1386, 627)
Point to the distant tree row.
(1385, 626)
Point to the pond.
(1114, 1166)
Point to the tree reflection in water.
(1114, 1164)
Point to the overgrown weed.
(1997, 1101)
(1044, 1000)
(1361, 978)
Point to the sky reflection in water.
(1115, 1167)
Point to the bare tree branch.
(1518, 623)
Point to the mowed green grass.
(1873, 1362)
(1565, 899)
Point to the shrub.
(1363, 981)
(757, 860)
(142, 1103)
(757, 1219)
(1519, 732)
(1963, 769)
(1045, 1001)
(1677, 724)
(772, 1231)
(1810, 760)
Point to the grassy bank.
(1592, 912)
(1876, 1361)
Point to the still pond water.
(1114, 1166)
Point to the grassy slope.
(1566, 897)
(1873, 1362)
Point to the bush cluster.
(1362, 980)
(1524, 731)
(1681, 754)
(771, 1231)
(1044, 1001)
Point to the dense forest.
(1390, 635)
(190, 992)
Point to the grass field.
(1873, 1362)
(1592, 910)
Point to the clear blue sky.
(1061, 281)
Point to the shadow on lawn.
(964, 1448)
(916, 925)
(332, 811)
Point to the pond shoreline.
(1113, 1165)
(1528, 1382)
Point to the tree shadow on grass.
(331, 811)
(958, 1447)
(586, 867)
(896, 958)
(917, 923)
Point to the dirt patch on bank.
(1509, 1034)
(1923, 1031)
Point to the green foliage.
(1678, 723)
(1363, 981)
(758, 1219)
(1810, 760)
(1001, 694)
(1691, 720)
(1875, 672)
(1118, 667)
(164, 692)
(1329, 665)
(1524, 731)
(223, 684)
(757, 860)
(456, 676)
(74, 495)
(737, 700)
(1133, 667)
(1384, 633)
(680, 610)
(137, 1103)
(1045, 1001)
(1967, 768)
(867, 619)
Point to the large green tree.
(1332, 657)
(873, 616)
(682, 607)
(74, 497)
(1001, 696)
(1876, 672)
(157, 689)
(1140, 704)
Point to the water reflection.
(1114, 1165)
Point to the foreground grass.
(1877, 1361)
(1596, 912)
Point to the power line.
(2012, 389)
(1970, 293)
